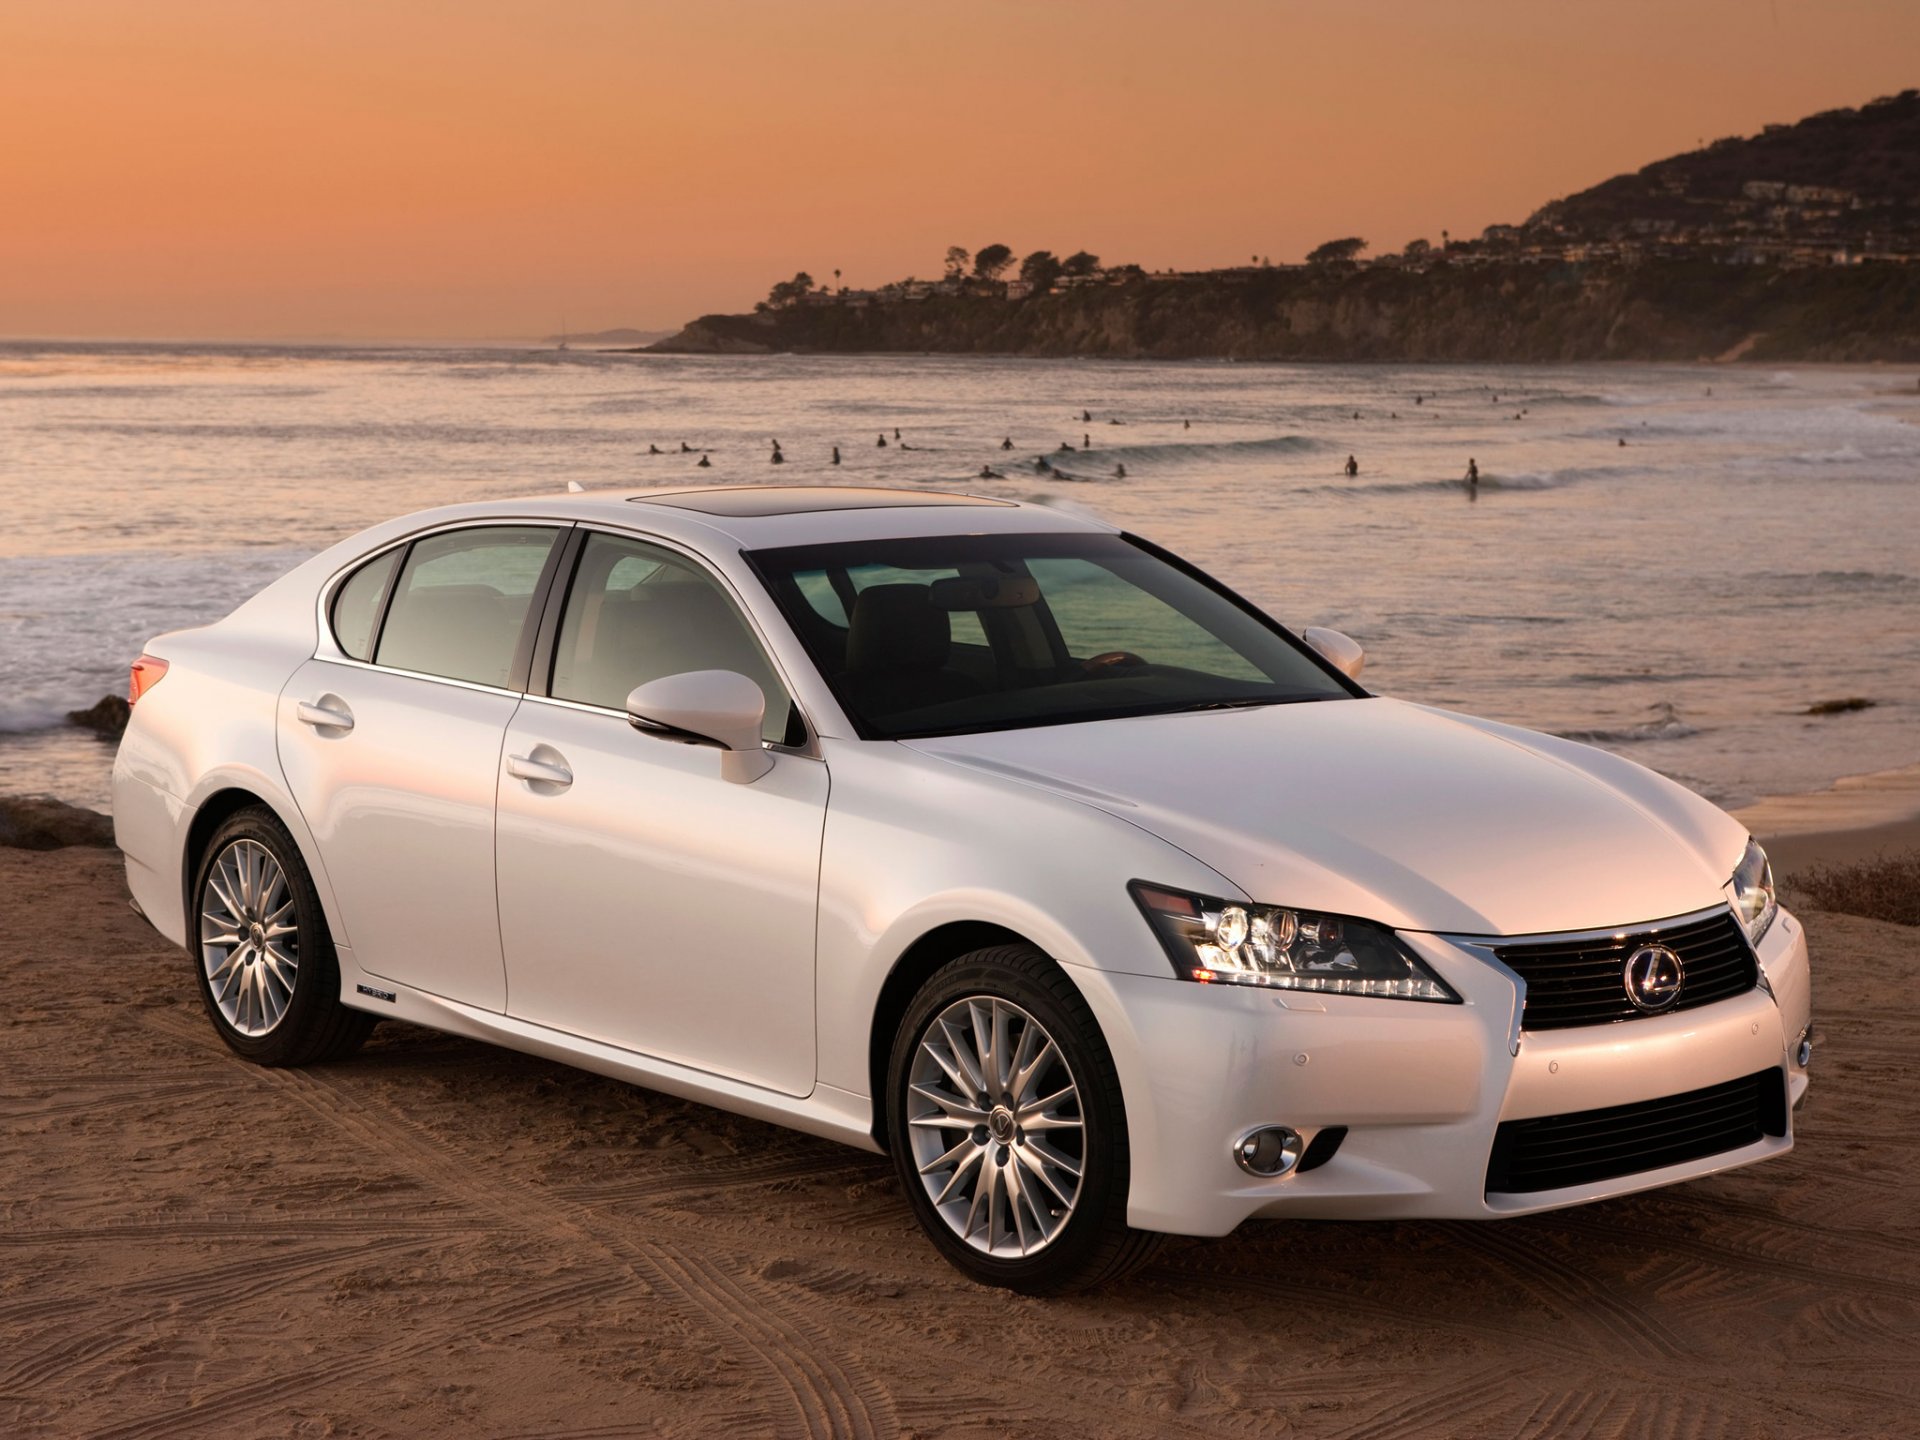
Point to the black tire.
(315, 1026)
(1095, 1246)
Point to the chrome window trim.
(349, 661)
(1483, 948)
(809, 751)
(327, 645)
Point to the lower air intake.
(1556, 1151)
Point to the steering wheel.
(1110, 661)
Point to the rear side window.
(461, 602)
(356, 605)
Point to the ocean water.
(1753, 548)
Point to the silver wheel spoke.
(993, 1180)
(249, 937)
(957, 1111)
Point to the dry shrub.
(1886, 887)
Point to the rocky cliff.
(1516, 312)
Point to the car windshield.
(950, 634)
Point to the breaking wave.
(1663, 723)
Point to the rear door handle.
(523, 767)
(324, 716)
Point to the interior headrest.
(895, 627)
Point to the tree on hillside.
(957, 258)
(1080, 263)
(788, 292)
(990, 260)
(1040, 270)
(1336, 251)
(1418, 249)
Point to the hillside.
(1801, 243)
(1843, 175)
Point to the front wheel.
(263, 957)
(1007, 1126)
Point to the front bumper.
(1421, 1088)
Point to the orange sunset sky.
(468, 168)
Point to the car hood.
(1418, 818)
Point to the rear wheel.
(263, 958)
(1007, 1127)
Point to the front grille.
(1556, 1151)
(1583, 981)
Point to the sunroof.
(750, 500)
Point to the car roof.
(754, 517)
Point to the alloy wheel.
(994, 1117)
(249, 937)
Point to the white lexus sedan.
(973, 832)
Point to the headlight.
(1752, 887)
(1225, 941)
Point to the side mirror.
(1342, 652)
(719, 708)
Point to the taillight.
(148, 671)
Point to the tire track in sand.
(825, 1400)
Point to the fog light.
(1270, 1151)
(1804, 1051)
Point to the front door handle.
(541, 772)
(329, 712)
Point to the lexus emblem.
(1654, 977)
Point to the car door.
(645, 902)
(390, 742)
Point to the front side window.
(638, 612)
(949, 634)
(460, 604)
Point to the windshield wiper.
(1244, 703)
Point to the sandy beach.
(441, 1238)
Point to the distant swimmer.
(896, 432)
(1086, 441)
(836, 454)
(1116, 421)
(1007, 444)
(1119, 472)
(1473, 474)
(881, 442)
(1186, 424)
(1086, 417)
(1418, 401)
(1041, 466)
(1066, 445)
(705, 464)
(1393, 415)
(685, 449)
(1353, 467)
(653, 449)
(987, 472)
(777, 458)
(1623, 442)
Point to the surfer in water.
(1473, 474)
(705, 464)
(1353, 467)
(836, 454)
(987, 472)
(881, 442)
(1007, 444)
(1119, 472)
